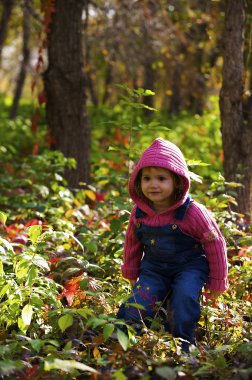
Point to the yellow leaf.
(96, 353)
(69, 213)
(115, 193)
(67, 246)
(103, 182)
(90, 194)
(77, 203)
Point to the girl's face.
(158, 185)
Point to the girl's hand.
(213, 294)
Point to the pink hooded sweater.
(197, 223)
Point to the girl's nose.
(153, 183)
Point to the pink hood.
(167, 155)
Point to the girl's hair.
(177, 180)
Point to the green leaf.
(65, 321)
(203, 369)
(91, 246)
(36, 300)
(115, 225)
(84, 312)
(195, 177)
(122, 339)
(34, 232)
(196, 163)
(68, 346)
(137, 305)
(21, 269)
(67, 365)
(7, 246)
(95, 322)
(9, 366)
(36, 344)
(220, 362)
(1, 269)
(4, 289)
(27, 313)
(166, 372)
(148, 93)
(53, 342)
(119, 375)
(108, 331)
(21, 325)
(32, 274)
(41, 262)
(3, 217)
(149, 108)
(113, 148)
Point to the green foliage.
(61, 251)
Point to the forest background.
(85, 87)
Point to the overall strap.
(139, 213)
(181, 211)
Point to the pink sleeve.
(205, 229)
(133, 251)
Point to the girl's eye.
(162, 179)
(145, 178)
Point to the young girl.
(173, 247)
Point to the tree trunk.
(149, 80)
(6, 14)
(176, 100)
(149, 74)
(89, 80)
(65, 88)
(107, 82)
(236, 132)
(24, 64)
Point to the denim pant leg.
(149, 289)
(184, 303)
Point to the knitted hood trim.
(167, 155)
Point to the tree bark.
(7, 6)
(149, 74)
(65, 88)
(236, 132)
(176, 99)
(89, 81)
(25, 61)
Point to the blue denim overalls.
(174, 266)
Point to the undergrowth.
(61, 251)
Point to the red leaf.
(55, 259)
(42, 98)
(34, 222)
(35, 120)
(50, 139)
(35, 148)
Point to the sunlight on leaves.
(65, 321)
(67, 365)
(27, 313)
(119, 375)
(123, 339)
(34, 232)
(3, 217)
